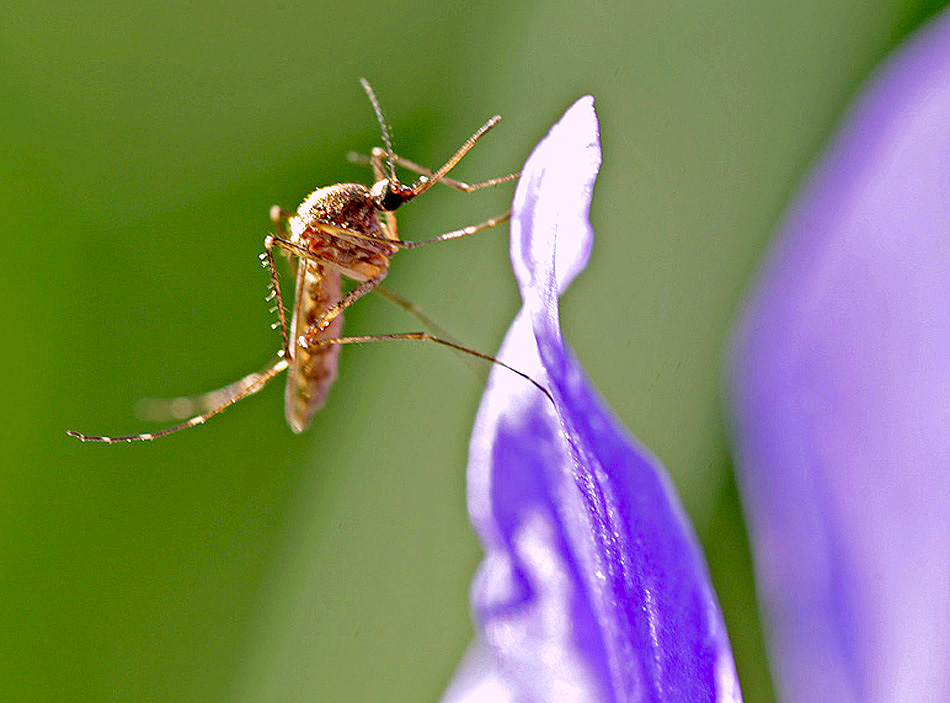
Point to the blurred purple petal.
(842, 398)
(593, 587)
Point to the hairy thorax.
(345, 206)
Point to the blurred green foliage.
(141, 146)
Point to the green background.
(141, 146)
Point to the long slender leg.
(307, 255)
(332, 312)
(413, 310)
(417, 312)
(249, 385)
(426, 182)
(165, 409)
(353, 235)
(338, 307)
(455, 234)
(425, 337)
(275, 283)
(379, 155)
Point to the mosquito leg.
(413, 310)
(379, 246)
(378, 156)
(368, 240)
(164, 409)
(334, 310)
(391, 228)
(455, 234)
(280, 218)
(307, 340)
(249, 385)
(417, 312)
(377, 161)
(425, 337)
(426, 182)
(292, 248)
(275, 282)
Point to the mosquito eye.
(391, 200)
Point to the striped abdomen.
(311, 371)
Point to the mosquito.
(336, 232)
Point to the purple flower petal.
(842, 399)
(593, 587)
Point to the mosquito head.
(389, 194)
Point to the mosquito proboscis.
(336, 232)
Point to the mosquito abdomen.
(312, 370)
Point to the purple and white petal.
(593, 586)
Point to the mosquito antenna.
(390, 155)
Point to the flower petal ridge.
(593, 586)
